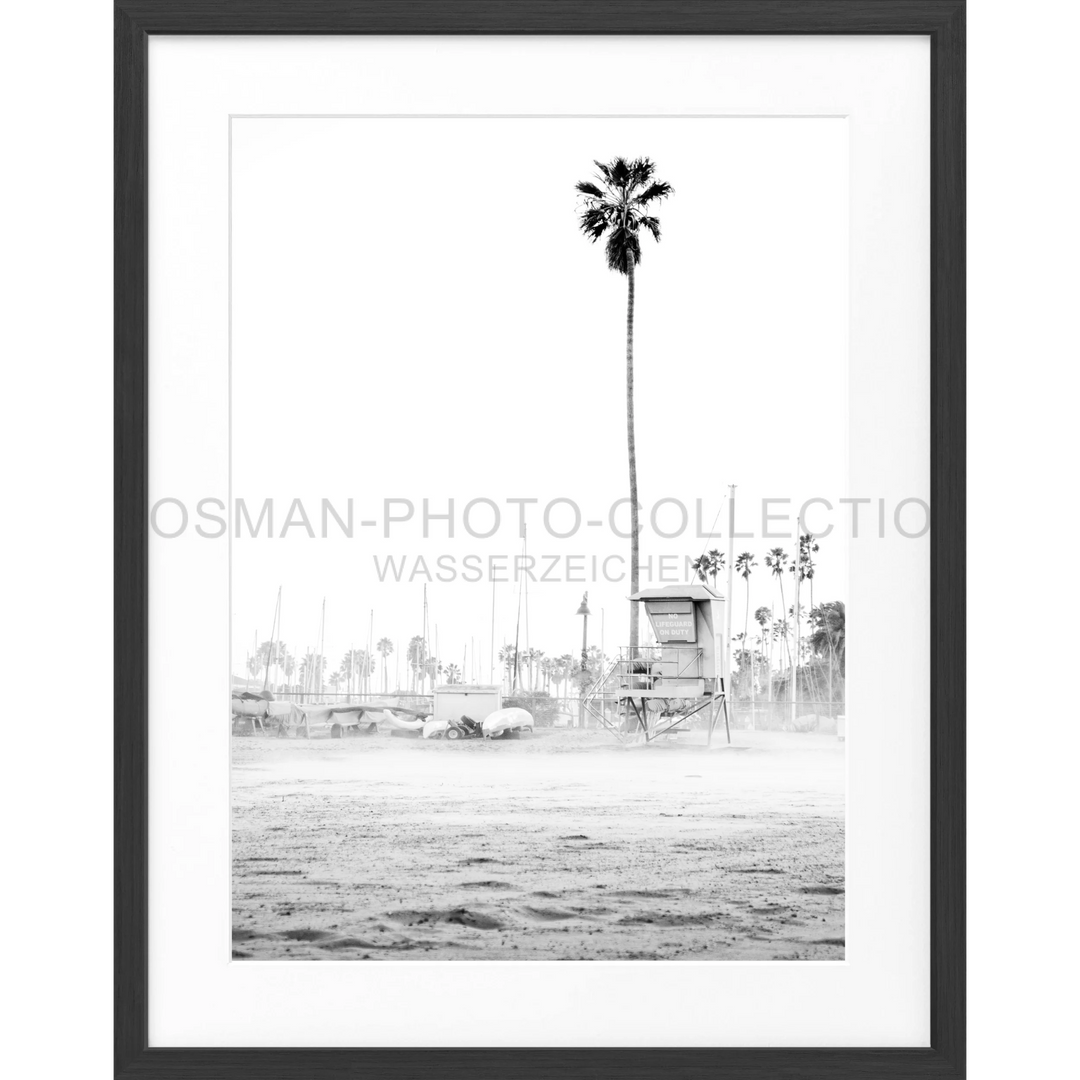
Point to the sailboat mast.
(491, 655)
(424, 646)
(368, 663)
(272, 655)
(517, 629)
(322, 645)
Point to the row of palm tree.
(355, 671)
(306, 672)
(763, 660)
(533, 671)
(356, 668)
(799, 638)
(824, 637)
(280, 666)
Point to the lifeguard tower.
(650, 690)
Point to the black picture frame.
(944, 22)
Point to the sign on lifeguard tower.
(653, 689)
(672, 620)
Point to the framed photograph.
(513, 403)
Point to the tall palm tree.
(616, 206)
(312, 668)
(364, 666)
(433, 668)
(803, 570)
(267, 655)
(562, 670)
(708, 565)
(830, 631)
(781, 629)
(511, 658)
(776, 560)
(762, 616)
(539, 660)
(596, 662)
(348, 669)
(384, 648)
(528, 659)
(742, 659)
(557, 673)
(829, 635)
(808, 547)
(744, 567)
(548, 667)
(416, 654)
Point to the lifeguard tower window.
(672, 620)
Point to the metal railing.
(643, 667)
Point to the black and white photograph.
(518, 449)
(538, 529)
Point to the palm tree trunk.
(746, 643)
(772, 644)
(783, 613)
(632, 454)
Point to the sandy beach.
(561, 845)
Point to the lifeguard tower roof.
(678, 592)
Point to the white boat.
(307, 719)
(402, 723)
(249, 705)
(504, 720)
(335, 720)
(433, 729)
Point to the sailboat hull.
(504, 720)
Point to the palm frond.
(659, 190)
(623, 249)
(641, 171)
(588, 188)
(619, 172)
(593, 222)
(604, 170)
(652, 224)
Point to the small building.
(476, 701)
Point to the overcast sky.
(416, 316)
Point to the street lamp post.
(584, 612)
